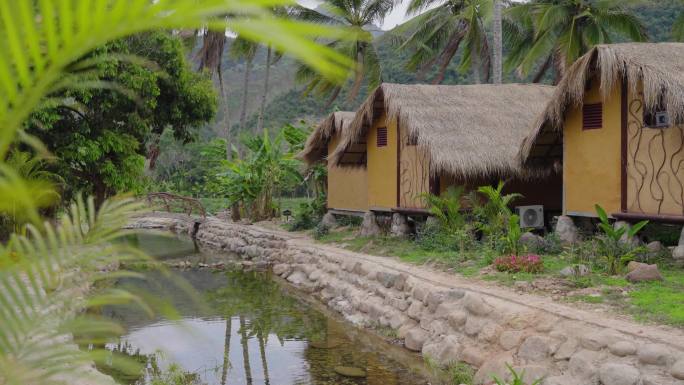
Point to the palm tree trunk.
(264, 95)
(498, 42)
(475, 63)
(543, 70)
(226, 116)
(245, 88)
(245, 351)
(264, 362)
(226, 351)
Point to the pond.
(247, 327)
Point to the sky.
(396, 17)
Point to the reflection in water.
(252, 332)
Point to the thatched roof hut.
(468, 130)
(657, 67)
(316, 148)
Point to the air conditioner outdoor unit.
(531, 216)
(662, 119)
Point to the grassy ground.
(660, 302)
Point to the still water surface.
(249, 328)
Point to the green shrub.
(431, 236)
(550, 245)
(460, 373)
(308, 214)
(174, 375)
(320, 231)
(615, 252)
(493, 216)
(450, 230)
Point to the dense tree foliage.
(287, 105)
(98, 136)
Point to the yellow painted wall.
(347, 186)
(382, 166)
(591, 165)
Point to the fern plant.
(453, 227)
(43, 282)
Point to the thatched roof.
(316, 148)
(659, 66)
(468, 130)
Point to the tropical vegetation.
(50, 49)
(99, 99)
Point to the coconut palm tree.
(435, 36)
(678, 28)
(246, 50)
(557, 32)
(497, 52)
(358, 16)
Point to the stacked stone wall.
(448, 320)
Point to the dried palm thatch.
(316, 147)
(468, 131)
(658, 66)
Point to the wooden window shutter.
(592, 116)
(382, 137)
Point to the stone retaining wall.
(450, 319)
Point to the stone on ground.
(329, 220)
(400, 226)
(350, 371)
(531, 241)
(654, 354)
(575, 270)
(618, 374)
(678, 255)
(645, 273)
(535, 348)
(566, 230)
(634, 241)
(677, 370)
(622, 348)
(415, 339)
(654, 248)
(369, 226)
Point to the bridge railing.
(176, 203)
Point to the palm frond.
(42, 290)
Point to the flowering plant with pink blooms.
(530, 263)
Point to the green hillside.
(288, 104)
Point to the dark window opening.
(382, 137)
(592, 116)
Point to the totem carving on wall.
(414, 172)
(655, 165)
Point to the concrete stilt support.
(369, 226)
(400, 226)
(329, 220)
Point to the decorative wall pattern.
(414, 173)
(655, 164)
